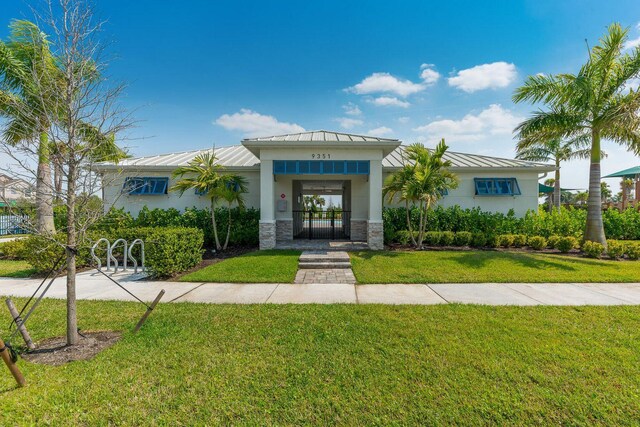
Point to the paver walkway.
(94, 286)
(323, 267)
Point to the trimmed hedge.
(244, 222)
(13, 249)
(568, 222)
(168, 250)
(592, 249)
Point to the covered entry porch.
(342, 168)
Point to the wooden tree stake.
(23, 329)
(12, 366)
(148, 312)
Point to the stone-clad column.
(375, 238)
(267, 214)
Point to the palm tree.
(203, 174)
(426, 178)
(605, 190)
(626, 185)
(396, 188)
(552, 150)
(551, 197)
(29, 82)
(234, 186)
(593, 104)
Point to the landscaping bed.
(481, 266)
(337, 364)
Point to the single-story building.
(282, 169)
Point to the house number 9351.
(321, 156)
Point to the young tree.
(80, 117)
(425, 179)
(593, 104)
(204, 175)
(605, 190)
(552, 150)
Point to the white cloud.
(381, 131)
(428, 75)
(403, 120)
(385, 82)
(352, 109)
(492, 121)
(633, 43)
(348, 122)
(389, 101)
(633, 84)
(254, 124)
(485, 76)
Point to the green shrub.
(632, 250)
(565, 244)
(592, 249)
(404, 237)
(493, 241)
(615, 249)
(519, 240)
(552, 241)
(42, 253)
(478, 240)
(463, 238)
(13, 249)
(537, 242)
(168, 250)
(505, 240)
(447, 238)
(432, 238)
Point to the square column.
(375, 238)
(267, 214)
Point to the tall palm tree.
(553, 150)
(29, 83)
(593, 104)
(232, 190)
(425, 179)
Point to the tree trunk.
(624, 196)
(72, 318)
(595, 227)
(44, 194)
(556, 187)
(226, 241)
(215, 226)
(57, 178)
(409, 227)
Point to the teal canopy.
(627, 173)
(544, 188)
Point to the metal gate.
(329, 224)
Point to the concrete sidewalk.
(94, 286)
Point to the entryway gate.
(330, 224)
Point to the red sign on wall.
(282, 196)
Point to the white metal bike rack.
(127, 255)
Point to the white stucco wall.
(464, 196)
(113, 193)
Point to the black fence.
(328, 224)
(13, 221)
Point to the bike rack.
(127, 255)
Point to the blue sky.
(210, 72)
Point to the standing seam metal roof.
(239, 156)
(320, 136)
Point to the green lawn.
(196, 364)
(19, 269)
(273, 266)
(486, 266)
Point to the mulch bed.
(54, 351)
